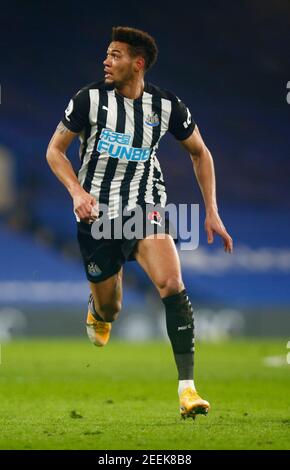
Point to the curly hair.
(139, 42)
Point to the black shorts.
(104, 257)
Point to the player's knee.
(110, 312)
(171, 285)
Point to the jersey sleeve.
(76, 115)
(181, 124)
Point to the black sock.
(180, 329)
(93, 310)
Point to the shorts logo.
(93, 269)
(155, 218)
(152, 120)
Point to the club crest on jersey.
(152, 120)
(93, 269)
(155, 217)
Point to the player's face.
(119, 64)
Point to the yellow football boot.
(98, 331)
(191, 404)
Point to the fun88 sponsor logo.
(118, 145)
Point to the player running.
(120, 122)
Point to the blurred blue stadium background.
(229, 62)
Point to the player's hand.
(85, 206)
(213, 224)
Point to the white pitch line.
(275, 361)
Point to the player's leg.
(103, 266)
(108, 296)
(105, 303)
(159, 259)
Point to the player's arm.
(85, 205)
(205, 174)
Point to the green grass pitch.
(68, 394)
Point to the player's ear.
(140, 63)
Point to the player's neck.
(132, 90)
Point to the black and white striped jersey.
(119, 138)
